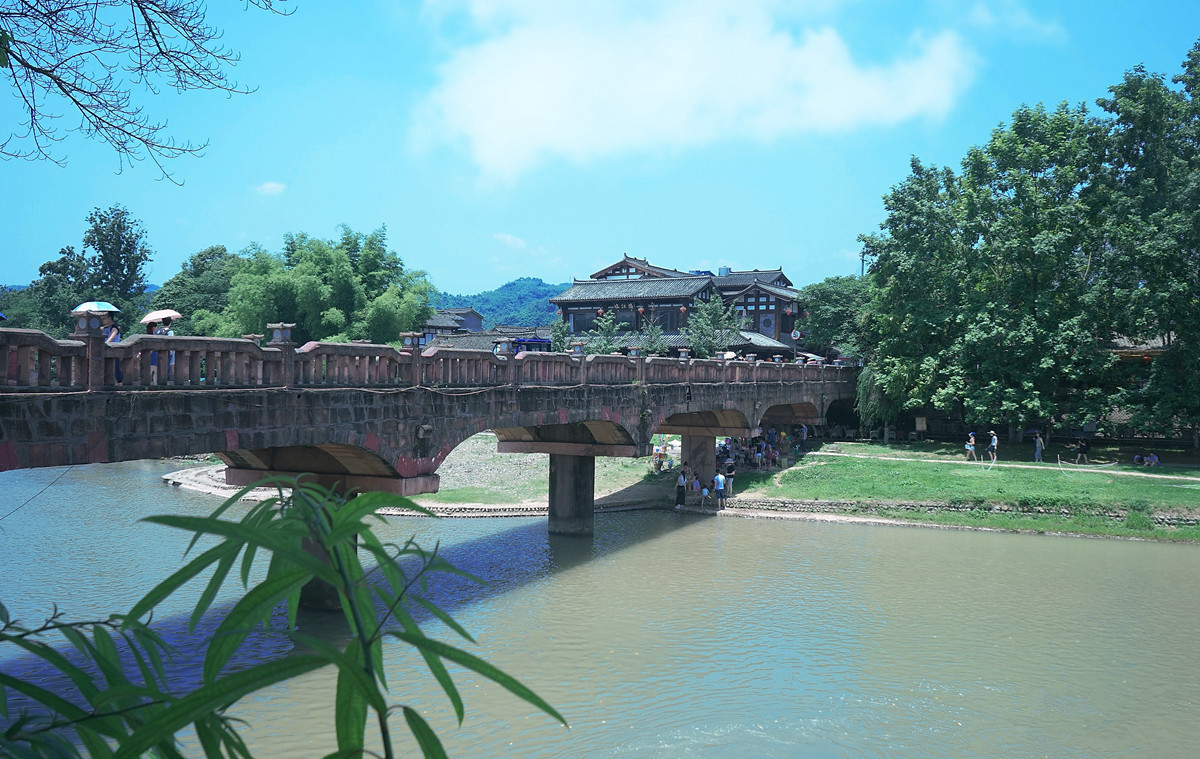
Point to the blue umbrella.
(95, 305)
(3, 317)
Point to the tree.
(708, 327)
(349, 289)
(988, 298)
(1149, 190)
(89, 58)
(651, 338)
(129, 709)
(560, 335)
(835, 310)
(606, 335)
(116, 264)
(202, 284)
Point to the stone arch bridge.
(371, 417)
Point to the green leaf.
(212, 697)
(285, 545)
(178, 578)
(445, 618)
(426, 739)
(350, 712)
(254, 607)
(214, 585)
(474, 663)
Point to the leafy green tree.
(836, 309)
(113, 711)
(651, 340)
(605, 337)
(201, 285)
(1148, 193)
(118, 258)
(709, 325)
(560, 335)
(61, 285)
(111, 267)
(349, 289)
(987, 301)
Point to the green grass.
(1079, 524)
(1048, 487)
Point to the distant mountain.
(521, 302)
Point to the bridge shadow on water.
(506, 559)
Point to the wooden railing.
(32, 360)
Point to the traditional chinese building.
(637, 292)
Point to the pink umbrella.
(159, 315)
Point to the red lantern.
(805, 314)
(683, 309)
(787, 311)
(600, 312)
(1146, 359)
(641, 310)
(559, 312)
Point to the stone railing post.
(88, 329)
(281, 338)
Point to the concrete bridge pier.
(572, 494)
(700, 453)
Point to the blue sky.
(545, 138)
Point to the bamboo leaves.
(307, 534)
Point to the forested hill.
(523, 301)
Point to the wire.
(35, 495)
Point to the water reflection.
(669, 635)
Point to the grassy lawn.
(938, 476)
(874, 479)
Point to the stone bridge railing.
(31, 361)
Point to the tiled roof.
(733, 339)
(786, 293)
(441, 320)
(632, 289)
(642, 263)
(462, 311)
(485, 341)
(740, 279)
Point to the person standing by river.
(681, 486)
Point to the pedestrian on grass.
(970, 446)
(804, 439)
(1039, 445)
(993, 445)
(1082, 447)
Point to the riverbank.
(919, 486)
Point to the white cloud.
(585, 81)
(511, 241)
(1013, 16)
(270, 188)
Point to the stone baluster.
(281, 338)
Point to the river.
(682, 636)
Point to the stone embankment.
(768, 506)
